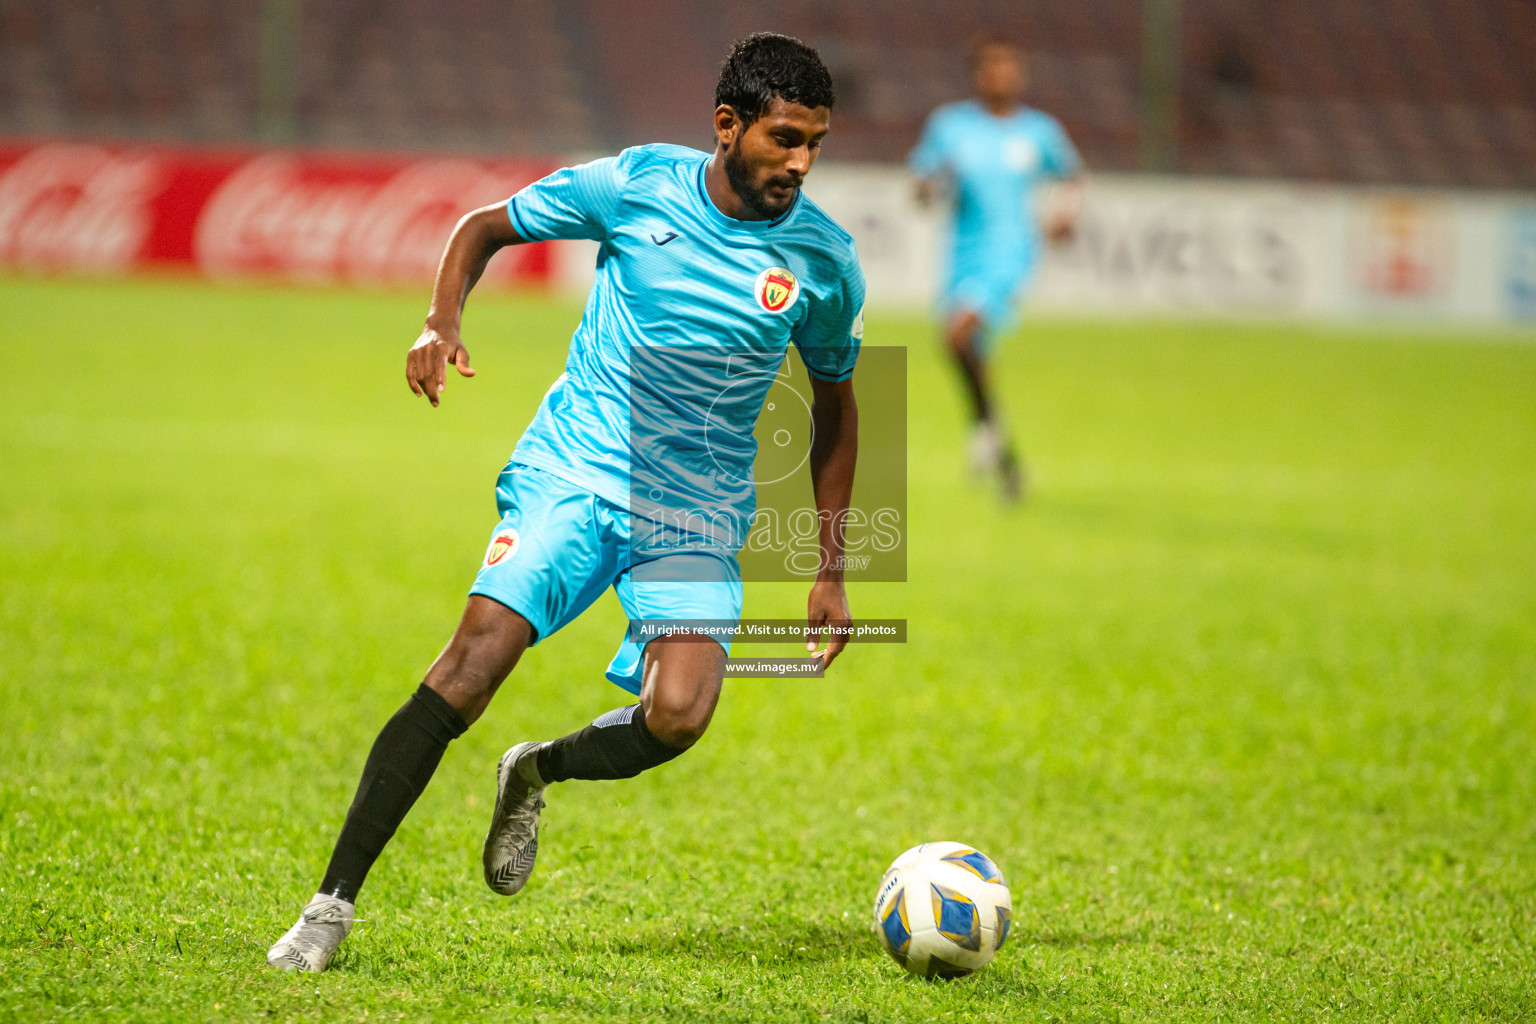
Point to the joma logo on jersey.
(503, 547)
(776, 289)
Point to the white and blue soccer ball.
(943, 910)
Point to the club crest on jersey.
(776, 289)
(503, 547)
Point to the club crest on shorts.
(776, 289)
(503, 547)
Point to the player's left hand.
(828, 605)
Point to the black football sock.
(398, 768)
(617, 745)
(974, 375)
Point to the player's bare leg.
(484, 650)
(961, 335)
(991, 448)
(679, 690)
(458, 687)
(681, 687)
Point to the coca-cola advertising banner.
(305, 217)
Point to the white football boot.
(1014, 476)
(986, 448)
(308, 945)
(513, 841)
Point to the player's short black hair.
(765, 65)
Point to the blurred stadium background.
(1428, 92)
(1242, 698)
(1353, 159)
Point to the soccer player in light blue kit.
(993, 154)
(636, 472)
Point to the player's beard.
(740, 176)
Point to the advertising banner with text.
(1213, 246)
(1144, 245)
(278, 214)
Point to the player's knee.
(467, 675)
(677, 723)
(961, 337)
(484, 649)
(465, 672)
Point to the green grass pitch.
(1243, 700)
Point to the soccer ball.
(943, 910)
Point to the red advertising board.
(283, 214)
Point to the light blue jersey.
(636, 472)
(996, 166)
(688, 320)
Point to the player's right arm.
(573, 202)
(929, 160)
(478, 237)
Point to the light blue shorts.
(559, 546)
(990, 291)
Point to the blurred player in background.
(992, 154)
